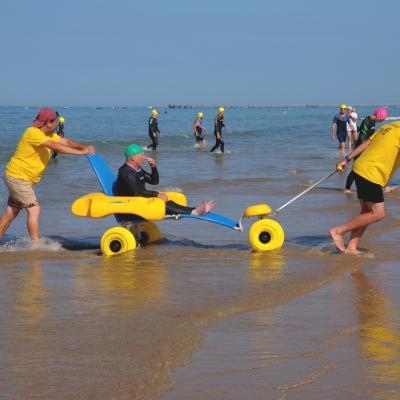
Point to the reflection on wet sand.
(133, 277)
(22, 338)
(32, 296)
(266, 266)
(90, 329)
(379, 336)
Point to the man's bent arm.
(71, 143)
(64, 149)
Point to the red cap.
(45, 114)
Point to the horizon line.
(193, 105)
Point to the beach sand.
(341, 341)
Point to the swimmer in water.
(198, 129)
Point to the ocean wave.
(393, 118)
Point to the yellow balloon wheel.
(117, 240)
(266, 234)
(149, 233)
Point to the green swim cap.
(133, 150)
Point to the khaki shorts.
(21, 194)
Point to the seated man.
(132, 178)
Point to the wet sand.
(293, 321)
(341, 341)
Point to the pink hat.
(381, 113)
(45, 114)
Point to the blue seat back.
(103, 172)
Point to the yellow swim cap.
(221, 109)
(200, 115)
(61, 120)
(343, 107)
(154, 112)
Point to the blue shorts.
(199, 138)
(342, 137)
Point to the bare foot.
(353, 251)
(209, 205)
(337, 239)
(204, 207)
(347, 191)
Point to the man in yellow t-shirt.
(28, 164)
(373, 169)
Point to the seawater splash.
(25, 244)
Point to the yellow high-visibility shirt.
(381, 159)
(31, 157)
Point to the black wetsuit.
(60, 132)
(153, 132)
(366, 129)
(218, 125)
(131, 182)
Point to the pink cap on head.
(45, 114)
(381, 113)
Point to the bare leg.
(352, 246)
(341, 148)
(350, 140)
(370, 213)
(357, 233)
(33, 222)
(8, 216)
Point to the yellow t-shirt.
(381, 159)
(31, 158)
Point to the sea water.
(142, 325)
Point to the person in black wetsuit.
(154, 132)
(132, 179)
(218, 125)
(60, 132)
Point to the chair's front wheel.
(266, 234)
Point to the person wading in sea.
(27, 165)
(378, 161)
(154, 132)
(198, 129)
(218, 125)
(339, 126)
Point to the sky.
(158, 52)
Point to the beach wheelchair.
(135, 216)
